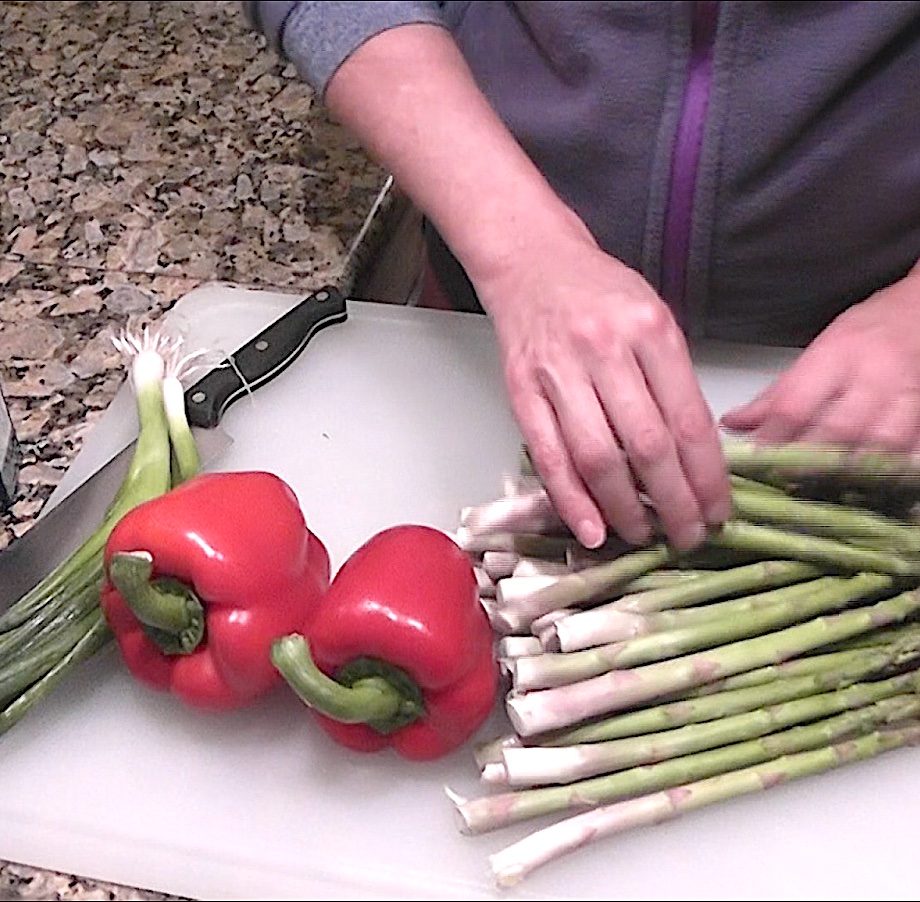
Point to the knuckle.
(655, 319)
(693, 425)
(549, 458)
(648, 444)
(590, 334)
(595, 459)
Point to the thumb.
(747, 416)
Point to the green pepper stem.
(384, 701)
(170, 612)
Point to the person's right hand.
(597, 370)
(601, 383)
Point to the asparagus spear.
(662, 578)
(791, 604)
(618, 620)
(532, 544)
(745, 691)
(536, 765)
(549, 709)
(795, 459)
(900, 651)
(498, 810)
(510, 865)
(724, 704)
(826, 518)
(590, 584)
(740, 535)
(709, 585)
(528, 510)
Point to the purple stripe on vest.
(686, 155)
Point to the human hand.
(856, 385)
(597, 371)
(601, 383)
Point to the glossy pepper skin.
(405, 605)
(240, 543)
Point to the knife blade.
(58, 532)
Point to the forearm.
(409, 97)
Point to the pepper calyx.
(365, 691)
(170, 613)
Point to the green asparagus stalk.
(746, 691)
(791, 604)
(580, 586)
(905, 637)
(740, 535)
(498, 810)
(615, 622)
(550, 709)
(902, 651)
(510, 865)
(756, 485)
(710, 585)
(826, 518)
(724, 704)
(662, 578)
(800, 458)
(541, 765)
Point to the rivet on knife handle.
(263, 358)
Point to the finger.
(747, 416)
(651, 451)
(896, 426)
(797, 398)
(602, 465)
(845, 420)
(694, 431)
(591, 447)
(568, 493)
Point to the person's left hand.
(856, 385)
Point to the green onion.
(59, 623)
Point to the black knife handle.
(264, 357)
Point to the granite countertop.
(147, 148)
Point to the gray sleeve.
(317, 37)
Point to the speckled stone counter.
(146, 148)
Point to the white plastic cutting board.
(396, 415)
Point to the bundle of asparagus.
(644, 683)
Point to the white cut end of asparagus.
(587, 629)
(528, 511)
(527, 766)
(493, 774)
(484, 583)
(499, 564)
(512, 864)
(516, 646)
(515, 591)
(474, 543)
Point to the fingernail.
(590, 534)
(718, 513)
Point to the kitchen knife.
(57, 533)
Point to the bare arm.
(598, 373)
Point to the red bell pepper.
(402, 649)
(200, 582)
